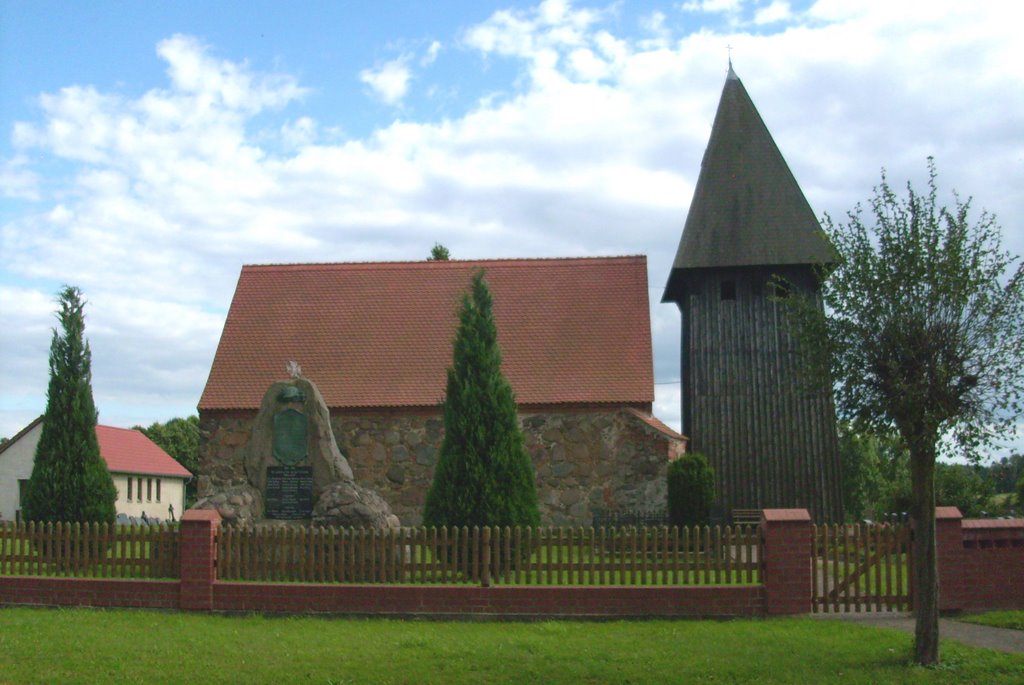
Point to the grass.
(86, 646)
(1002, 499)
(997, 619)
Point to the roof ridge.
(20, 434)
(118, 428)
(430, 264)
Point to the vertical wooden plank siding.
(772, 444)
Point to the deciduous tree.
(180, 439)
(923, 337)
(70, 480)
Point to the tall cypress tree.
(70, 481)
(483, 476)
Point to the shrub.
(691, 490)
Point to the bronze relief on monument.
(290, 437)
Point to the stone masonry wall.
(582, 460)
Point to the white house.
(148, 480)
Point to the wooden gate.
(862, 567)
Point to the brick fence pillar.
(198, 552)
(788, 561)
(949, 552)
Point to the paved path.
(1000, 639)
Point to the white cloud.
(390, 81)
(773, 13)
(654, 24)
(431, 55)
(213, 83)
(542, 36)
(668, 404)
(16, 181)
(594, 149)
(298, 133)
(712, 6)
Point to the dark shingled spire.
(747, 209)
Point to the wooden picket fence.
(89, 550)
(520, 556)
(862, 567)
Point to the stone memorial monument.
(294, 469)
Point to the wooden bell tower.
(771, 439)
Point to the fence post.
(949, 552)
(788, 560)
(485, 572)
(198, 553)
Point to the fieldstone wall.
(582, 459)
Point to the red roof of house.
(380, 334)
(129, 451)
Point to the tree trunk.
(926, 576)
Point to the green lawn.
(998, 619)
(88, 646)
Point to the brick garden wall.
(981, 562)
(90, 592)
(981, 567)
(621, 602)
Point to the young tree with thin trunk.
(70, 480)
(923, 336)
(484, 476)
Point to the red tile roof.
(657, 424)
(380, 334)
(129, 451)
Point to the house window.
(22, 491)
(149, 489)
(129, 489)
(728, 290)
(138, 490)
(157, 489)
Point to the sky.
(149, 150)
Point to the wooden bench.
(743, 517)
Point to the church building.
(376, 338)
(770, 438)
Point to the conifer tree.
(483, 476)
(70, 481)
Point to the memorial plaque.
(290, 437)
(289, 492)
